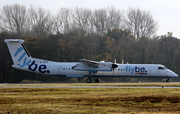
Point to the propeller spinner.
(114, 66)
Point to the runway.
(17, 85)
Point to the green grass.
(89, 100)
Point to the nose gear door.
(167, 73)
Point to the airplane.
(85, 68)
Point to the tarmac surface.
(17, 85)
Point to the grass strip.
(89, 100)
(99, 84)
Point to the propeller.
(114, 65)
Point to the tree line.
(18, 21)
(79, 33)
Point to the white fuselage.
(65, 69)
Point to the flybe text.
(41, 68)
(136, 70)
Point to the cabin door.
(60, 70)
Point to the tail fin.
(18, 52)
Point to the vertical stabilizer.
(19, 54)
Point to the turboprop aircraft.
(85, 68)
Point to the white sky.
(166, 12)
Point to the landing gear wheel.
(97, 80)
(88, 80)
(168, 80)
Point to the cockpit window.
(162, 68)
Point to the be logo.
(140, 69)
(41, 68)
(137, 70)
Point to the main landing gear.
(168, 80)
(89, 80)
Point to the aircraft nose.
(173, 74)
(176, 75)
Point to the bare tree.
(64, 20)
(105, 19)
(58, 23)
(99, 20)
(140, 23)
(41, 21)
(114, 19)
(13, 19)
(81, 20)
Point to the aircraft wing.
(94, 66)
(89, 62)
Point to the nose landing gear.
(97, 80)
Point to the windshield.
(162, 68)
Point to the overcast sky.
(166, 12)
